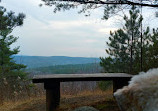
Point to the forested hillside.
(67, 69)
(45, 61)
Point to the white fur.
(141, 94)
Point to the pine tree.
(8, 21)
(151, 50)
(124, 45)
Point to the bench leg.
(119, 83)
(52, 95)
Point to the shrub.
(104, 85)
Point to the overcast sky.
(64, 33)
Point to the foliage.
(8, 21)
(125, 47)
(109, 7)
(151, 51)
(87, 6)
(124, 43)
(104, 85)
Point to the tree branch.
(105, 2)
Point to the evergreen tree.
(151, 51)
(8, 21)
(124, 45)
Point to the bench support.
(52, 95)
(119, 83)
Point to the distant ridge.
(45, 61)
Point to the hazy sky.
(64, 33)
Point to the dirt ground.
(100, 100)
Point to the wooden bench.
(52, 83)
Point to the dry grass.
(88, 93)
(33, 98)
(11, 106)
(102, 100)
(15, 90)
